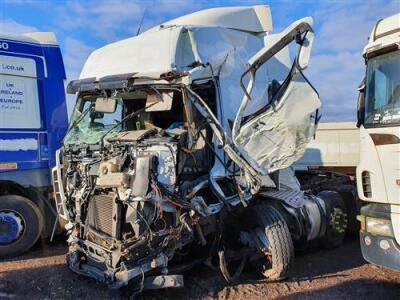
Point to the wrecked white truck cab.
(174, 149)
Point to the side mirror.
(105, 105)
(305, 51)
(361, 104)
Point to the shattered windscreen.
(88, 125)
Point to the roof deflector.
(256, 19)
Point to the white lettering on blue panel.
(3, 46)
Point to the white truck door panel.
(276, 136)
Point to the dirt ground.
(318, 274)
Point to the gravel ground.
(318, 274)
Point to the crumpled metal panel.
(278, 137)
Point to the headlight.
(382, 227)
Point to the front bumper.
(380, 250)
(122, 277)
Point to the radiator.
(104, 215)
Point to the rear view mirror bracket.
(299, 38)
(361, 104)
(292, 32)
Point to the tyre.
(336, 218)
(273, 239)
(349, 195)
(21, 224)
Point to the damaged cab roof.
(174, 51)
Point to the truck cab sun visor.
(107, 82)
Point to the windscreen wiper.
(77, 121)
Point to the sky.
(342, 28)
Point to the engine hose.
(176, 198)
(223, 266)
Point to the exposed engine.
(159, 174)
(144, 201)
(130, 213)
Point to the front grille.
(100, 215)
(58, 189)
(366, 184)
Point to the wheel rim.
(262, 240)
(11, 227)
(338, 221)
(264, 247)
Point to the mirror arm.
(292, 32)
(299, 39)
(287, 36)
(245, 100)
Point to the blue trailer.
(33, 122)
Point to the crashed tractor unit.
(178, 152)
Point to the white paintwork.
(335, 145)
(382, 161)
(159, 49)
(47, 38)
(148, 54)
(291, 28)
(44, 38)
(385, 33)
(370, 161)
(18, 144)
(153, 53)
(277, 137)
(255, 19)
(220, 45)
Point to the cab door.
(276, 136)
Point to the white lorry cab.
(178, 149)
(378, 173)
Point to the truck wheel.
(21, 224)
(272, 238)
(336, 215)
(349, 195)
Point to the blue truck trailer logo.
(33, 122)
(3, 46)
